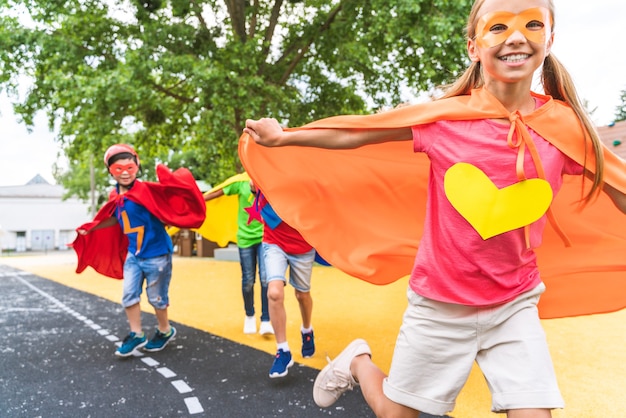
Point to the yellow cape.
(220, 225)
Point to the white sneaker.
(335, 378)
(249, 325)
(266, 328)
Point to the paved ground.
(60, 330)
(57, 361)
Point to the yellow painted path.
(588, 352)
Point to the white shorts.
(439, 342)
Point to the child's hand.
(266, 131)
(82, 231)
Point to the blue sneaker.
(282, 363)
(160, 340)
(308, 344)
(131, 343)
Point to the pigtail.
(558, 83)
(471, 79)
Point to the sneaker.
(249, 325)
(131, 343)
(335, 378)
(160, 340)
(266, 328)
(282, 363)
(308, 344)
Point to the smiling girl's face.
(511, 39)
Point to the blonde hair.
(556, 82)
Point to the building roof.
(614, 137)
(36, 187)
(38, 179)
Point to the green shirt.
(247, 235)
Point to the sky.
(589, 38)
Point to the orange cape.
(363, 209)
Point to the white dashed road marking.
(167, 373)
(193, 404)
(181, 386)
(150, 361)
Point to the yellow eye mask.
(495, 28)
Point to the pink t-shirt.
(453, 263)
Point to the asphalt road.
(57, 360)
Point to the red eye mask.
(495, 28)
(117, 169)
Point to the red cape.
(363, 209)
(175, 200)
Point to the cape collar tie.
(519, 137)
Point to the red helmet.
(118, 149)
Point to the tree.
(620, 111)
(180, 76)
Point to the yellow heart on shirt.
(492, 211)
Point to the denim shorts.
(157, 272)
(300, 266)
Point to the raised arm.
(106, 223)
(269, 133)
(213, 195)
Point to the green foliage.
(178, 79)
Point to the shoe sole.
(152, 350)
(133, 351)
(283, 374)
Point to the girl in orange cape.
(498, 155)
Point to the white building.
(34, 217)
